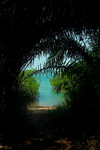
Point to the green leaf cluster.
(28, 85)
(81, 82)
(57, 82)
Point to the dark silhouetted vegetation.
(81, 83)
(60, 29)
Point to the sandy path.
(41, 108)
(39, 113)
(47, 138)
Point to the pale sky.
(38, 61)
(43, 58)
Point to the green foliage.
(81, 82)
(24, 20)
(28, 85)
(57, 82)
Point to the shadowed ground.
(49, 130)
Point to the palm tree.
(30, 27)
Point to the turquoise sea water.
(47, 96)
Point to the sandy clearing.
(41, 108)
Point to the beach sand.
(41, 107)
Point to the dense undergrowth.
(78, 117)
(28, 86)
(81, 83)
(18, 126)
(60, 124)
